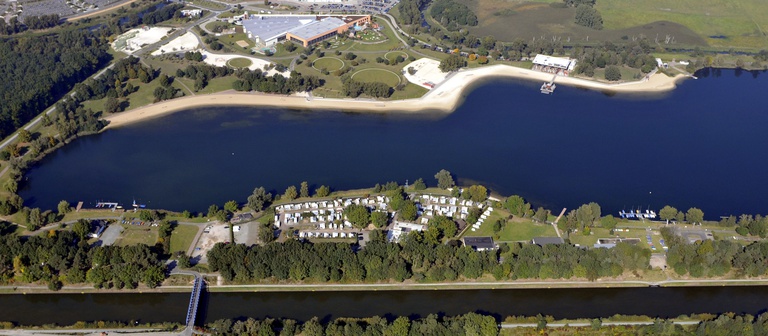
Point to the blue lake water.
(704, 145)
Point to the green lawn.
(741, 23)
(329, 63)
(239, 62)
(137, 234)
(209, 4)
(377, 75)
(214, 85)
(514, 230)
(182, 237)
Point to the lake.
(701, 145)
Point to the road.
(586, 324)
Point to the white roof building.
(557, 62)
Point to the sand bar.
(445, 97)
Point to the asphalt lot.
(110, 235)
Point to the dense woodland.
(38, 70)
(14, 26)
(468, 324)
(64, 257)
(452, 14)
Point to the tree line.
(433, 324)
(353, 88)
(14, 26)
(256, 80)
(64, 257)
(420, 256)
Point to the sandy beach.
(445, 97)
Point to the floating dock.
(637, 214)
(548, 88)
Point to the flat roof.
(479, 242)
(547, 60)
(317, 28)
(269, 27)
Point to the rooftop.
(558, 62)
(317, 28)
(268, 27)
(480, 243)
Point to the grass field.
(517, 229)
(239, 62)
(137, 234)
(182, 237)
(328, 63)
(143, 96)
(731, 23)
(377, 75)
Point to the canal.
(65, 309)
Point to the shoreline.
(445, 97)
(443, 286)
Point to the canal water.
(701, 145)
(65, 309)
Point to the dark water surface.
(704, 144)
(560, 303)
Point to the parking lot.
(213, 233)
(110, 235)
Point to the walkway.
(194, 301)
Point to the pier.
(548, 88)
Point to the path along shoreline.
(445, 97)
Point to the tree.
(608, 222)
(379, 219)
(589, 17)
(419, 184)
(63, 207)
(477, 193)
(11, 186)
(408, 211)
(323, 191)
(444, 179)
(680, 217)
(612, 73)
(304, 189)
(452, 63)
(694, 216)
(399, 327)
(231, 206)
(24, 135)
(184, 261)
(81, 228)
(358, 215)
(35, 219)
(290, 193)
(164, 80)
(267, 233)
(667, 213)
(517, 205)
(258, 199)
(212, 210)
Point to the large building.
(554, 65)
(267, 30)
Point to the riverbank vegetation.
(467, 324)
(64, 257)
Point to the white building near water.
(554, 65)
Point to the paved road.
(585, 324)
